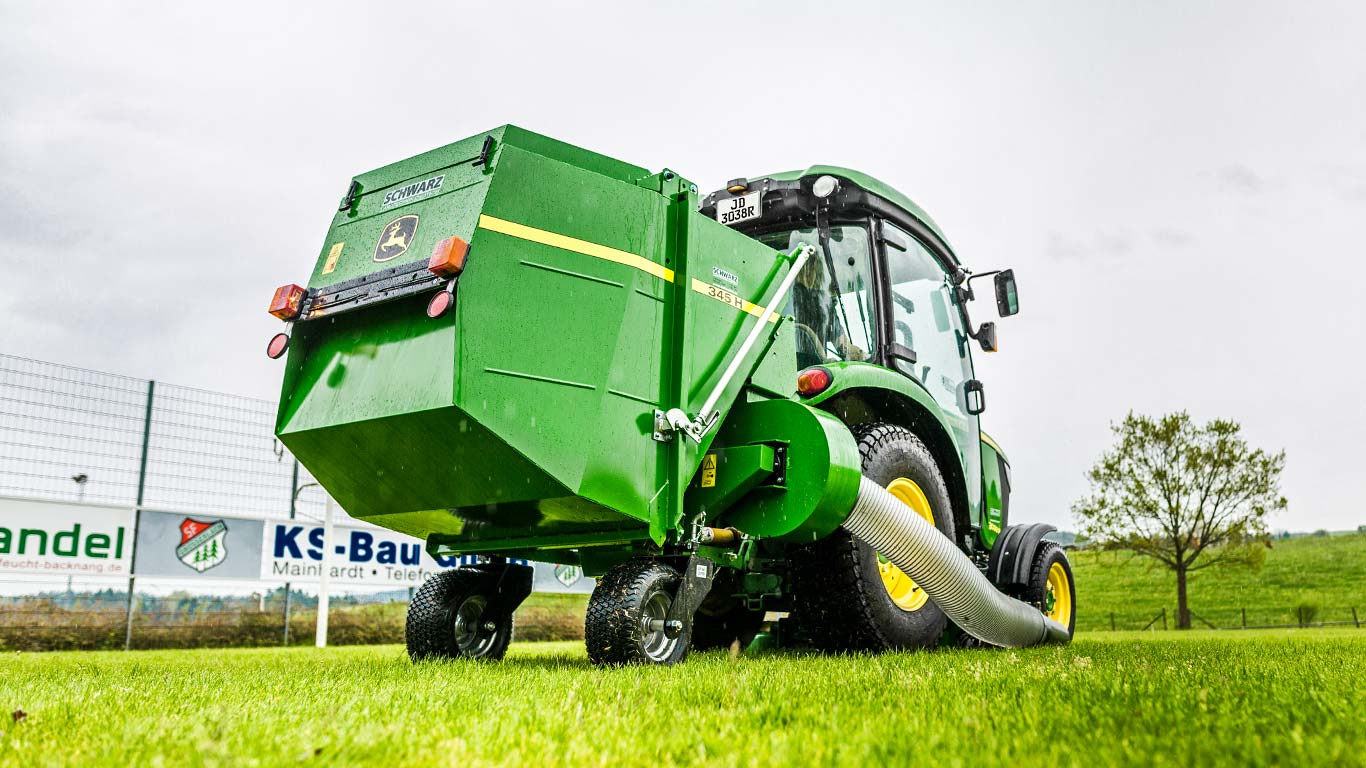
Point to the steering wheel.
(815, 338)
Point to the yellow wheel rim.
(1058, 596)
(900, 587)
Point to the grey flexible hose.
(948, 577)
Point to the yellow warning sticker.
(708, 470)
(333, 256)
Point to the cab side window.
(831, 301)
(925, 319)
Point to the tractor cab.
(886, 289)
(885, 286)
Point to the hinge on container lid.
(483, 157)
(352, 192)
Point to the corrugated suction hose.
(948, 577)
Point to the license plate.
(739, 210)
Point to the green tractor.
(751, 415)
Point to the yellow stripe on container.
(726, 297)
(523, 232)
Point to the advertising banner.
(51, 539)
(293, 551)
(55, 539)
(197, 546)
(561, 578)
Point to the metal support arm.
(676, 419)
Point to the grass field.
(1288, 697)
(1327, 573)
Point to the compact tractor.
(752, 415)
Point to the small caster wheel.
(447, 620)
(627, 620)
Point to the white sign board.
(198, 546)
(293, 551)
(51, 539)
(54, 539)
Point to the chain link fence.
(74, 435)
(1252, 617)
(71, 434)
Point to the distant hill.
(1321, 577)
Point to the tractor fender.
(861, 393)
(1013, 554)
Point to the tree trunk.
(1183, 613)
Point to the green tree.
(1191, 497)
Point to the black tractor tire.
(1037, 592)
(623, 603)
(445, 620)
(840, 601)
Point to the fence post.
(324, 577)
(1245, 617)
(1164, 619)
(137, 515)
(1112, 621)
(293, 502)
(1355, 620)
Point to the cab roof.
(867, 183)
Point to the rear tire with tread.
(1048, 554)
(841, 602)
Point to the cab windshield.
(831, 299)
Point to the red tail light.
(288, 298)
(439, 303)
(813, 381)
(448, 257)
(277, 346)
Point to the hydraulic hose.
(948, 577)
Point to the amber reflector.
(448, 257)
(285, 304)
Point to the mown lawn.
(1291, 697)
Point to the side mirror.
(986, 336)
(974, 397)
(1007, 298)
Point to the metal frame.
(376, 288)
(675, 419)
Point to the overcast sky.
(1180, 187)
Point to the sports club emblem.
(568, 575)
(202, 545)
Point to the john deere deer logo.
(396, 237)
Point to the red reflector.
(286, 302)
(440, 303)
(448, 257)
(277, 346)
(812, 382)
